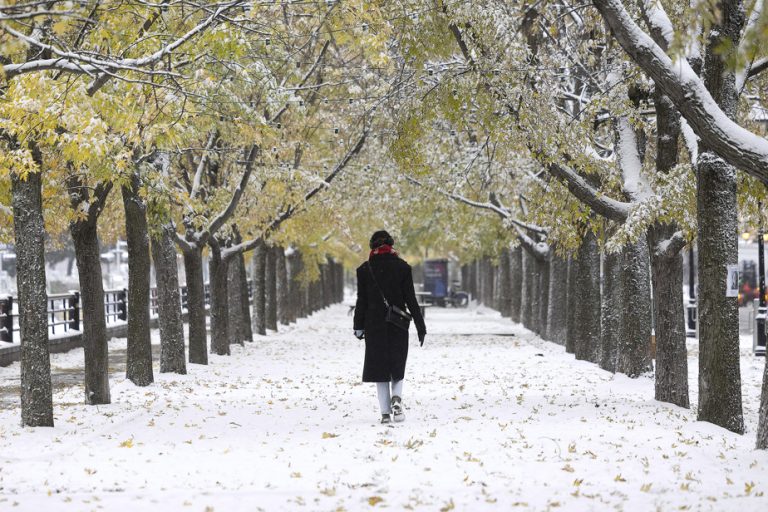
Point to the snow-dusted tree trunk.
(247, 332)
(283, 298)
(172, 357)
(516, 283)
(526, 300)
(198, 335)
(634, 348)
(719, 372)
(138, 366)
(671, 382)
(29, 229)
(294, 298)
(542, 290)
(271, 288)
(217, 275)
(259, 318)
(235, 320)
(557, 302)
(762, 422)
(586, 290)
(94, 322)
(611, 311)
(570, 319)
(504, 284)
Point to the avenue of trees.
(571, 151)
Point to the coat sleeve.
(362, 303)
(410, 300)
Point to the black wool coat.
(386, 346)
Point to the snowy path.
(497, 420)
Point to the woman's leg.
(382, 388)
(397, 388)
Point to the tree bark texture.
(259, 319)
(671, 383)
(543, 295)
(283, 316)
(138, 366)
(762, 423)
(271, 288)
(570, 318)
(516, 283)
(292, 268)
(217, 274)
(235, 320)
(634, 349)
(505, 284)
(29, 229)
(198, 335)
(587, 300)
(557, 303)
(526, 300)
(172, 356)
(245, 304)
(94, 320)
(611, 321)
(719, 371)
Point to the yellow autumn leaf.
(373, 500)
(329, 435)
(128, 443)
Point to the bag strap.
(370, 269)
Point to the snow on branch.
(740, 147)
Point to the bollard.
(758, 335)
(692, 328)
(6, 319)
(74, 311)
(122, 304)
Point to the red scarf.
(382, 249)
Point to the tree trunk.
(235, 320)
(217, 275)
(557, 304)
(247, 332)
(669, 312)
(516, 283)
(762, 423)
(505, 284)
(172, 358)
(138, 366)
(29, 229)
(271, 288)
(719, 372)
(282, 287)
(291, 269)
(611, 311)
(543, 295)
(634, 350)
(259, 319)
(570, 318)
(93, 317)
(198, 335)
(587, 301)
(526, 301)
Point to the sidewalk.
(496, 420)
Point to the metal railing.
(65, 314)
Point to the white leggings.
(385, 398)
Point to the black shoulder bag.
(395, 315)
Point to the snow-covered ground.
(496, 420)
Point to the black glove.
(422, 334)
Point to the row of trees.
(600, 149)
(603, 150)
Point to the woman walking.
(384, 289)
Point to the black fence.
(64, 312)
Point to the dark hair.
(380, 238)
